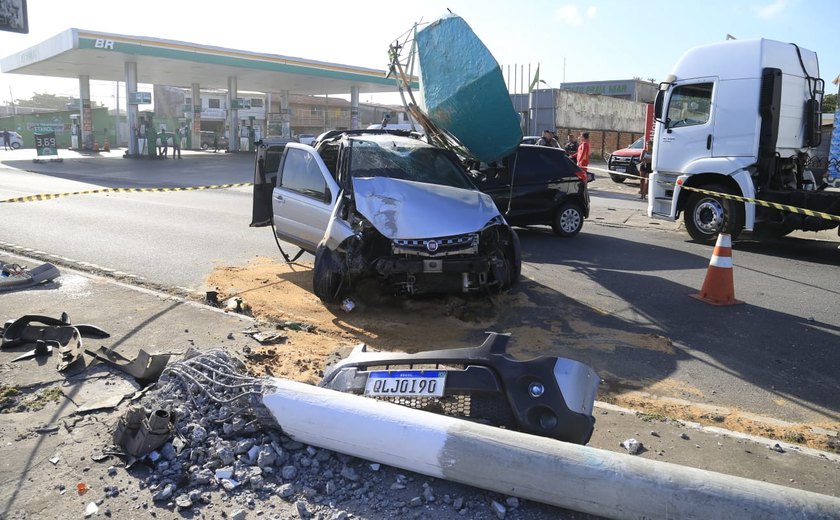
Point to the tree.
(829, 104)
(49, 101)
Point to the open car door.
(265, 178)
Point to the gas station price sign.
(45, 144)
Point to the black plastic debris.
(54, 333)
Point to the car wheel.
(568, 220)
(205, 146)
(505, 260)
(706, 216)
(327, 276)
(15, 146)
(618, 178)
(513, 255)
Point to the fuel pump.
(243, 136)
(252, 136)
(187, 130)
(75, 131)
(149, 133)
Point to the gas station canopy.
(102, 56)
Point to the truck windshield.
(405, 160)
(690, 105)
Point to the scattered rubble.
(632, 446)
(223, 440)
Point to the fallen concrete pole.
(574, 477)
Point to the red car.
(625, 160)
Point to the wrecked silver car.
(384, 205)
(547, 396)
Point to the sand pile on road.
(277, 292)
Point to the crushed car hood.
(402, 209)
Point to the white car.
(15, 140)
(378, 204)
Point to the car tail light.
(581, 175)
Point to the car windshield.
(638, 144)
(406, 160)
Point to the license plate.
(620, 169)
(406, 383)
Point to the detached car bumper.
(547, 396)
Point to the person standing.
(6, 139)
(164, 145)
(645, 168)
(176, 143)
(581, 156)
(215, 142)
(571, 145)
(548, 139)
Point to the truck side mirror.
(657, 106)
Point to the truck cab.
(739, 118)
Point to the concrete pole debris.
(579, 478)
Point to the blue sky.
(598, 39)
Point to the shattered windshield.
(405, 160)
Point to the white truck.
(739, 117)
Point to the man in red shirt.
(582, 154)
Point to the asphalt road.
(777, 355)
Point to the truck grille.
(447, 246)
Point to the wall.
(612, 123)
(60, 122)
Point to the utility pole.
(12, 100)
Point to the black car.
(208, 139)
(537, 185)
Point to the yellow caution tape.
(764, 203)
(612, 172)
(48, 196)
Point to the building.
(307, 114)
(636, 89)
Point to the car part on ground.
(53, 332)
(14, 276)
(538, 185)
(384, 205)
(139, 432)
(145, 368)
(547, 396)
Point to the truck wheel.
(568, 220)
(706, 215)
(327, 276)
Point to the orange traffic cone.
(718, 287)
